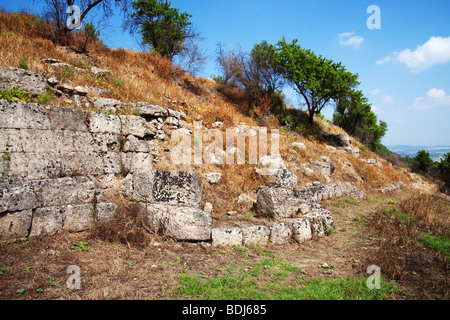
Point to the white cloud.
(434, 98)
(387, 99)
(350, 39)
(375, 92)
(435, 51)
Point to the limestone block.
(111, 163)
(255, 235)
(25, 80)
(226, 237)
(104, 123)
(178, 222)
(14, 226)
(147, 110)
(133, 125)
(177, 188)
(276, 203)
(47, 221)
(280, 233)
(17, 196)
(66, 119)
(134, 144)
(22, 115)
(301, 230)
(136, 161)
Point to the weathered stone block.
(47, 221)
(224, 237)
(33, 166)
(105, 141)
(66, 119)
(147, 110)
(47, 141)
(255, 235)
(63, 191)
(276, 203)
(139, 185)
(301, 230)
(22, 115)
(15, 226)
(136, 161)
(104, 123)
(177, 188)
(280, 233)
(16, 196)
(10, 140)
(133, 125)
(179, 223)
(111, 163)
(134, 144)
(25, 80)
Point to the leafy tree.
(163, 28)
(263, 67)
(423, 161)
(353, 113)
(318, 80)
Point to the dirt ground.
(36, 269)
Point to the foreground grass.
(273, 279)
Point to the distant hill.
(436, 152)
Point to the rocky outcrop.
(391, 187)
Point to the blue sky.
(403, 67)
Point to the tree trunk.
(311, 117)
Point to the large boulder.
(338, 140)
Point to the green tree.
(91, 33)
(423, 161)
(163, 28)
(318, 80)
(443, 169)
(263, 67)
(354, 114)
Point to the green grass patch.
(274, 279)
(438, 243)
(245, 287)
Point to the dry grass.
(397, 230)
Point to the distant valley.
(436, 152)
